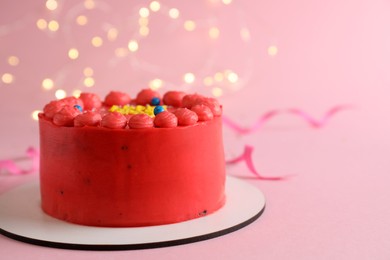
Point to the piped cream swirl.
(140, 121)
(114, 120)
(88, 118)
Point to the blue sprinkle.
(155, 101)
(158, 109)
(78, 107)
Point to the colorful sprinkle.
(155, 101)
(158, 109)
(78, 107)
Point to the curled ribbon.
(12, 168)
(247, 158)
(313, 122)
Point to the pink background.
(328, 53)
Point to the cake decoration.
(158, 109)
(155, 101)
(66, 115)
(114, 120)
(140, 121)
(90, 101)
(118, 109)
(173, 98)
(99, 167)
(117, 98)
(89, 118)
(204, 112)
(146, 96)
(78, 107)
(165, 119)
(185, 116)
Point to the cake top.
(119, 111)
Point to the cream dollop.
(117, 98)
(72, 101)
(204, 112)
(192, 100)
(88, 118)
(186, 117)
(214, 106)
(173, 98)
(90, 100)
(114, 120)
(139, 121)
(65, 116)
(145, 96)
(165, 119)
(53, 107)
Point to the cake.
(131, 162)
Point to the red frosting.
(173, 98)
(214, 106)
(114, 120)
(186, 116)
(72, 101)
(66, 116)
(204, 112)
(192, 100)
(88, 118)
(117, 98)
(140, 121)
(165, 119)
(145, 96)
(52, 108)
(91, 101)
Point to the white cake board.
(21, 218)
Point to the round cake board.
(21, 218)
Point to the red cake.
(128, 162)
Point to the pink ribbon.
(247, 158)
(313, 122)
(12, 168)
(247, 130)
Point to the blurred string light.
(189, 78)
(53, 25)
(51, 5)
(13, 60)
(189, 25)
(41, 24)
(156, 84)
(81, 20)
(47, 84)
(215, 81)
(97, 41)
(34, 114)
(88, 72)
(214, 32)
(174, 13)
(7, 78)
(73, 53)
(60, 93)
(272, 50)
(112, 34)
(89, 4)
(154, 6)
(76, 93)
(89, 82)
(133, 46)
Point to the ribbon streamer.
(259, 123)
(12, 168)
(313, 122)
(318, 123)
(247, 158)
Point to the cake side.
(125, 177)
